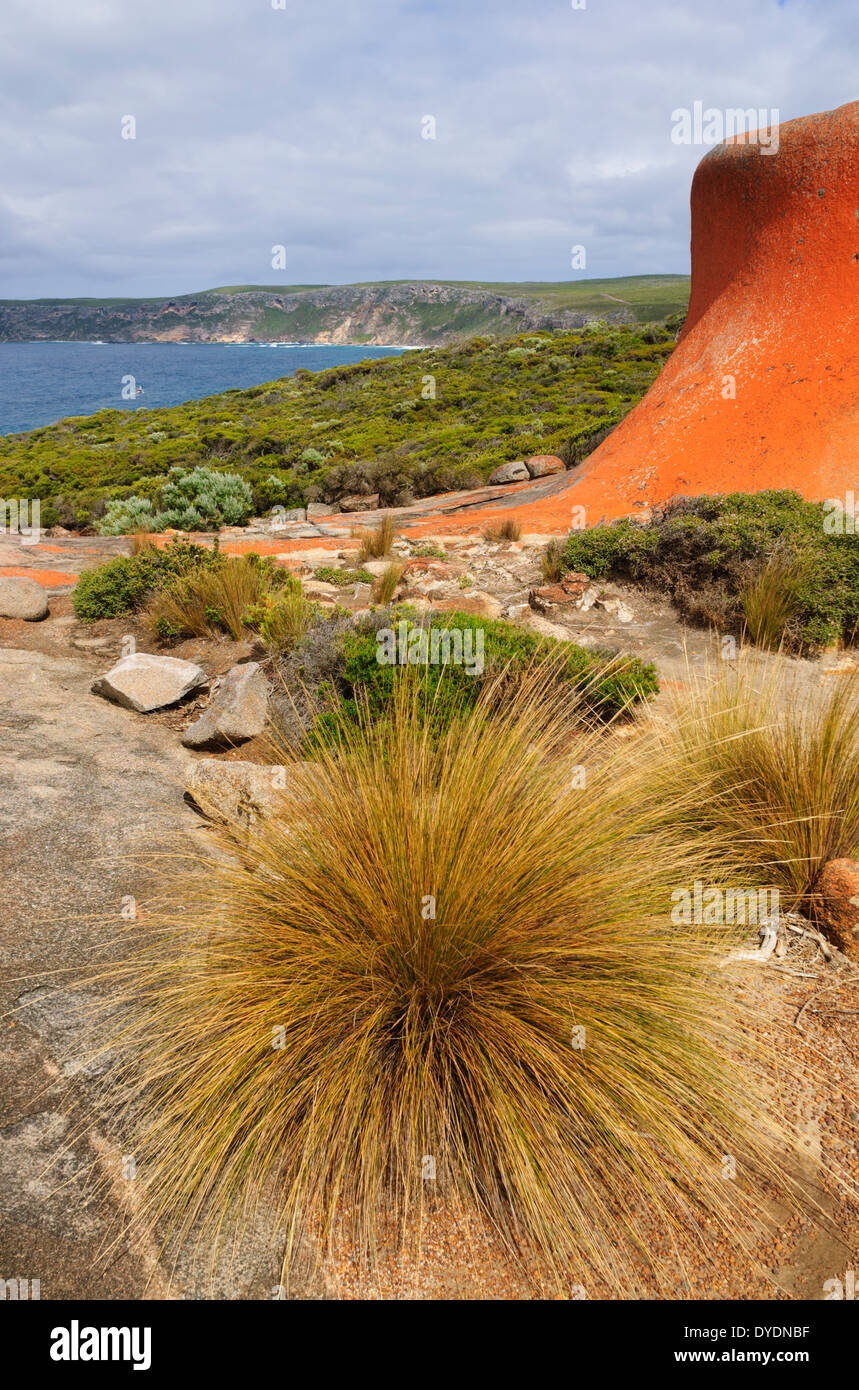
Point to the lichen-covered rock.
(144, 682)
(839, 903)
(237, 711)
(22, 598)
(235, 794)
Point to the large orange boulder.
(762, 390)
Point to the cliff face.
(412, 314)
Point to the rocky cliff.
(411, 313)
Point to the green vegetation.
(329, 574)
(123, 584)
(199, 500)
(480, 652)
(758, 560)
(372, 425)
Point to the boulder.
(143, 682)
(542, 465)
(839, 903)
(236, 713)
(570, 591)
(235, 793)
(315, 509)
(510, 473)
(22, 598)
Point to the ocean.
(44, 382)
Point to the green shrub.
(606, 684)
(705, 551)
(195, 500)
(329, 574)
(123, 584)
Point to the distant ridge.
(409, 312)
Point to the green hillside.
(371, 426)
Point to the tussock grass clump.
(552, 562)
(386, 584)
(377, 543)
(777, 773)
(449, 947)
(507, 530)
(211, 598)
(771, 597)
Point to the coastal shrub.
(329, 574)
(450, 441)
(122, 585)
(451, 948)
(282, 617)
(216, 596)
(605, 685)
(704, 552)
(201, 497)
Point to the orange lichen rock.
(762, 390)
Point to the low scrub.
(770, 553)
(123, 584)
(199, 499)
(450, 951)
(223, 596)
(344, 667)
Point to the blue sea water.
(44, 382)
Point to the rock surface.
(839, 890)
(143, 682)
(234, 793)
(22, 598)
(237, 711)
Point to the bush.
(450, 949)
(704, 551)
(123, 584)
(218, 596)
(329, 574)
(198, 500)
(605, 685)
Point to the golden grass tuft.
(377, 543)
(451, 948)
(776, 768)
(552, 562)
(386, 584)
(507, 530)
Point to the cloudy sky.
(304, 126)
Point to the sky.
(303, 124)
